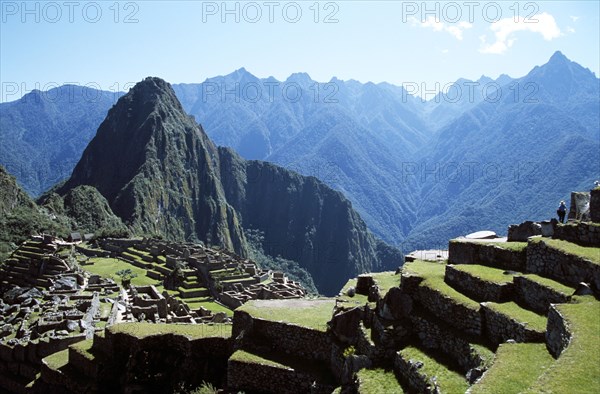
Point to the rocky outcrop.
(558, 334)
(595, 205)
(580, 206)
(520, 232)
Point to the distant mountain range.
(417, 172)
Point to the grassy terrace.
(386, 280)
(589, 253)
(487, 274)
(192, 331)
(516, 366)
(312, 314)
(577, 370)
(316, 370)
(84, 348)
(207, 303)
(515, 312)
(433, 275)
(378, 381)
(554, 285)
(358, 299)
(108, 267)
(449, 381)
(514, 246)
(250, 358)
(58, 360)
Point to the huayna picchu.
(499, 315)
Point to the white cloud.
(504, 30)
(570, 30)
(445, 51)
(574, 18)
(456, 30)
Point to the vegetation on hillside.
(291, 268)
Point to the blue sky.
(109, 45)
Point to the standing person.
(561, 211)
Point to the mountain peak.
(558, 57)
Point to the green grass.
(589, 253)
(554, 285)
(577, 370)
(514, 246)
(250, 358)
(386, 280)
(514, 311)
(433, 277)
(484, 273)
(312, 314)
(358, 299)
(57, 360)
(377, 381)
(84, 348)
(207, 303)
(108, 267)
(449, 381)
(318, 371)
(516, 366)
(193, 331)
(139, 251)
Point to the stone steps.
(480, 283)
(509, 321)
(425, 372)
(269, 373)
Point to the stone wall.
(310, 344)
(535, 296)
(409, 371)
(581, 233)
(500, 328)
(23, 361)
(595, 205)
(262, 378)
(485, 254)
(560, 266)
(448, 341)
(458, 315)
(157, 363)
(558, 335)
(476, 288)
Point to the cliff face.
(162, 175)
(303, 220)
(156, 168)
